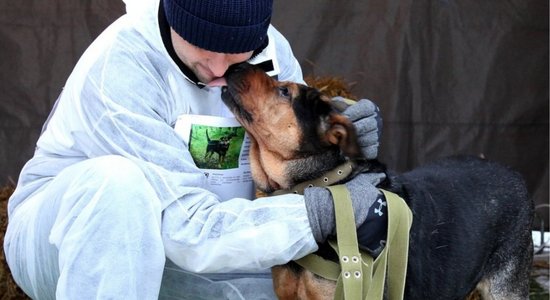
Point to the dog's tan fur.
(290, 285)
(275, 134)
(269, 151)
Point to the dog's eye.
(284, 92)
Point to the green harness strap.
(351, 276)
(358, 276)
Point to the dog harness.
(357, 274)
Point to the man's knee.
(115, 168)
(119, 181)
(110, 196)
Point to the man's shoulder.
(275, 35)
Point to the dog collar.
(329, 178)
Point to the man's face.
(207, 65)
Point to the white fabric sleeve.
(237, 234)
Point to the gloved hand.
(366, 117)
(369, 206)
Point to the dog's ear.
(342, 133)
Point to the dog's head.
(296, 133)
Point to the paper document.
(219, 146)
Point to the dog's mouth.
(236, 85)
(232, 100)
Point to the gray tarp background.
(450, 77)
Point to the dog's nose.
(238, 68)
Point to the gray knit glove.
(320, 208)
(366, 117)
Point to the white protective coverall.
(112, 190)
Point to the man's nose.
(218, 64)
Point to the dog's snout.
(240, 69)
(237, 68)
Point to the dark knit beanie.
(226, 26)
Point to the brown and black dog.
(219, 146)
(472, 217)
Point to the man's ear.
(341, 132)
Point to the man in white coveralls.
(112, 204)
